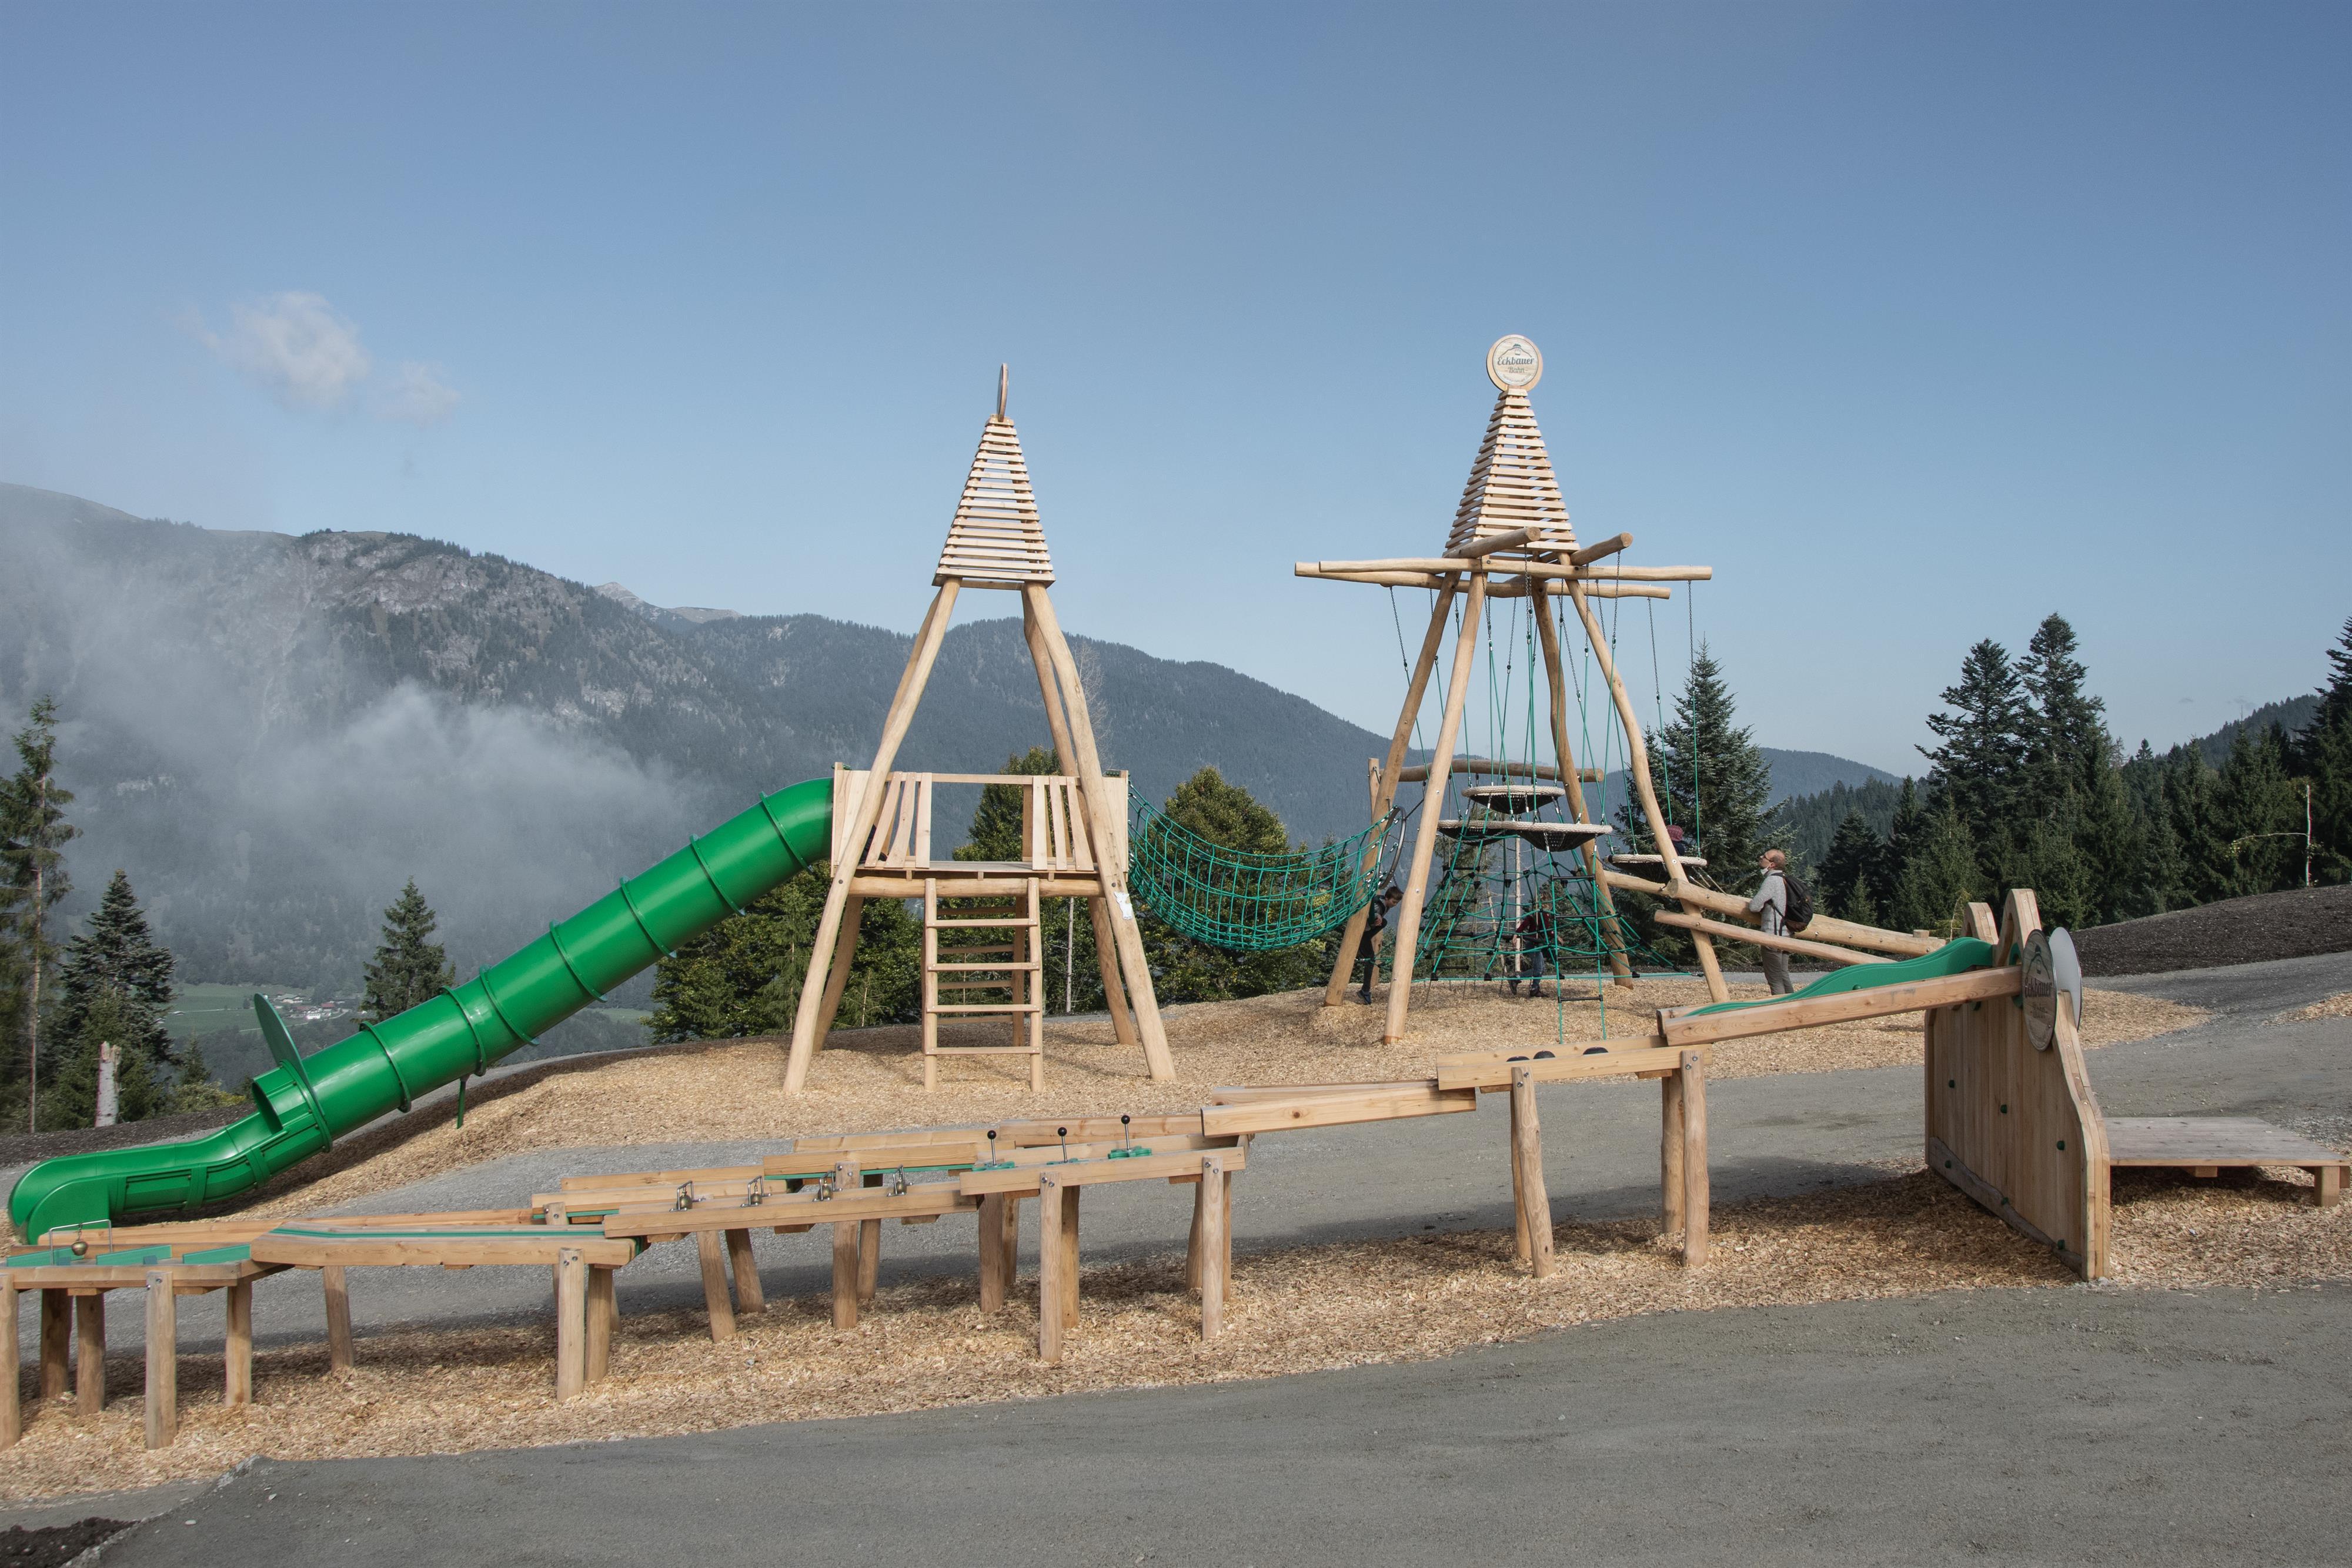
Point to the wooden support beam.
(1574, 779)
(1600, 549)
(1407, 924)
(1772, 939)
(603, 1317)
(571, 1325)
(1875, 1002)
(162, 1413)
(992, 1252)
(1351, 939)
(710, 1253)
(749, 1300)
(237, 1344)
(12, 1415)
(57, 1336)
(1053, 1262)
(338, 1297)
(1670, 1152)
(1214, 1205)
(1695, 1183)
(869, 1259)
(1071, 1193)
(1376, 1102)
(1821, 927)
(89, 1353)
(1527, 1163)
(1491, 1069)
(844, 1273)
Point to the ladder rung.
(989, 1008)
(948, 925)
(1008, 967)
(987, 1051)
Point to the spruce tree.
(33, 835)
(996, 824)
(743, 977)
(2258, 814)
(1849, 871)
(1713, 779)
(1941, 878)
(1978, 764)
(410, 967)
(2067, 731)
(1904, 838)
(116, 954)
(2324, 757)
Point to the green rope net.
(1244, 902)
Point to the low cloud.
(415, 394)
(299, 349)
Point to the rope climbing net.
(1246, 901)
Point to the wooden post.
(1057, 724)
(1216, 1246)
(572, 1323)
(1694, 1077)
(237, 1344)
(1670, 1153)
(1522, 1244)
(1384, 786)
(57, 1333)
(2327, 1186)
(1053, 1262)
(749, 1300)
(992, 1252)
(604, 1308)
(12, 1415)
(1132, 961)
(709, 1253)
(844, 1273)
(1539, 605)
(869, 1249)
(1407, 924)
(868, 807)
(89, 1353)
(1638, 754)
(1193, 1243)
(339, 1317)
(1526, 1159)
(162, 1360)
(836, 975)
(1070, 1251)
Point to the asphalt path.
(1708, 1409)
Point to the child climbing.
(1376, 920)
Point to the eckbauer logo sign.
(1514, 364)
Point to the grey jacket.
(1771, 901)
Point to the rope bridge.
(1246, 901)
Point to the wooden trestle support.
(1075, 824)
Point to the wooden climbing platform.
(2205, 1144)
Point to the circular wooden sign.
(2039, 991)
(1514, 364)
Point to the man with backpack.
(1376, 920)
(1787, 908)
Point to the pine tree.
(1982, 755)
(2067, 730)
(33, 835)
(1941, 878)
(1713, 780)
(109, 1016)
(410, 967)
(1908, 831)
(2324, 757)
(743, 977)
(117, 955)
(1185, 970)
(1849, 871)
(2260, 816)
(996, 824)
(196, 1091)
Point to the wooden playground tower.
(1511, 538)
(986, 942)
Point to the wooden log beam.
(1797, 945)
(1418, 774)
(708, 1253)
(1694, 1179)
(993, 1278)
(604, 1316)
(1601, 549)
(844, 1273)
(1214, 1206)
(1555, 683)
(1053, 1262)
(162, 1411)
(1877, 1001)
(1326, 1110)
(1845, 933)
(237, 1344)
(570, 1325)
(1407, 924)
(12, 1414)
(749, 1299)
(56, 1336)
(1527, 1166)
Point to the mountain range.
(273, 732)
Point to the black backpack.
(1800, 913)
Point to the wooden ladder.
(992, 948)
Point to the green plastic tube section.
(465, 1029)
(1957, 957)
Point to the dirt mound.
(2292, 924)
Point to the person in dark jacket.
(1376, 920)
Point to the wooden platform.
(2203, 1145)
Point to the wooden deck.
(2203, 1145)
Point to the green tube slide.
(304, 1103)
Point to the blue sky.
(1916, 321)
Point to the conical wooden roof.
(996, 539)
(1511, 485)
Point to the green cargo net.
(1246, 901)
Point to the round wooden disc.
(1514, 364)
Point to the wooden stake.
(1540, 607)
(89, 1353)
(746, 1269)
(869, 1259)
(1132, 961)
(1694, 1077)
(1527, 1161)
(1057, 724)
(844, 1273)
(837, 975)
(162, 1360)
(1384, 785)
(708, 1253)
(1053, 1262)
(1670, 1153)
(992, 1252)
(237, 1344)
(603, 1311)
(1522, 1244)
(1225, 1209)
(926, 651)
(1638, 754)
(1216, 1246)
(572, 1323)
(1441, 769)
(1070, 1253)
(339, 1317)
(12, 1416)
(1193, 1243)
(57, 1333)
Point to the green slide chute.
(304, 1103)
(1957, 957)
